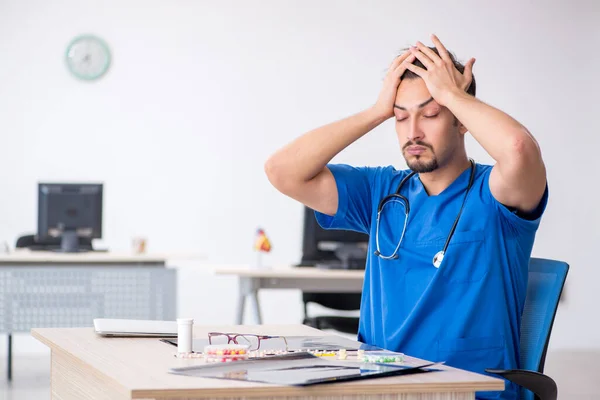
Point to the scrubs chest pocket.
(465, 259)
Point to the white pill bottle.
(185, 327)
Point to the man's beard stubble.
(418, 164)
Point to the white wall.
(200, 93)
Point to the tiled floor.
(576, 374)
(31, 378)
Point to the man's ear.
(461, 128)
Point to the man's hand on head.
(384, 107)
(441, 76)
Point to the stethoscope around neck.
(398, 198)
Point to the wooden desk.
(309, 279)
(51, 289)
(86, 366)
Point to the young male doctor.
(450, 239)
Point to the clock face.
(88, 57)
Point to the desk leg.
(248, 287)
(9, 366)
(257, 314)
(239, 319)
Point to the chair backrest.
(546, 282)
(334, 301)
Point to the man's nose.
(414, 131)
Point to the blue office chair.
(546, 282)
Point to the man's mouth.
(415, 150)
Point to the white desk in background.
(40, 289)
(307, 279)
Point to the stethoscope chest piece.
(438, 258)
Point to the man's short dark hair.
(460, 67)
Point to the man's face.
(428, 132)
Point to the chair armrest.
(542, 385)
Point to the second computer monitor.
(319, 245)
(70, 211)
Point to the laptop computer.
(135, 328)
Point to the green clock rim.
(102, 43)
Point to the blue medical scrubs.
(467, 312)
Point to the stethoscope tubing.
(397, 197)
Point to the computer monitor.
(339, 248)
(69, 211)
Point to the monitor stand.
(69, 242)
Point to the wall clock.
(88, 57)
